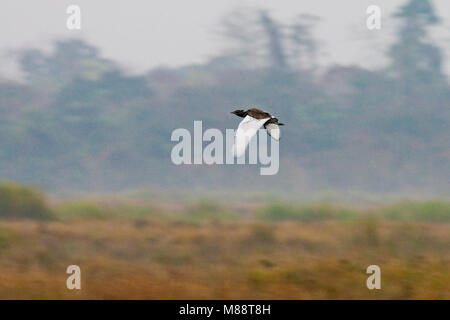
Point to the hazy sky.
(143, 34)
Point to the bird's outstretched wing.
(273, 130)
(246, 130)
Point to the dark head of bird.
(275, 121)
(240, 113)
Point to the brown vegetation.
(210, 251)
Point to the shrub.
(17, 201)
(207, 210)
(432, 211)
(6, 238)
(82, 210)
(262, 234)
(95, 210)
(319, 212)
(259, 277)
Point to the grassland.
(205, 250)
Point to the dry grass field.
(209, 251)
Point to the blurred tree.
(415, 60)
(275, 41)
(17, 201)
(417, 65)
(82, 123)
(244, 38)
(70, 58)
(304, 46)
(259, 40)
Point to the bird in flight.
(253, 120)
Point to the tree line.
(81, 122)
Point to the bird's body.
(253, 120)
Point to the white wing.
(246, 130)
(273, 130)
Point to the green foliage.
(7, 237)
(318, 212)
(258, 278)
(427, 211)
(82, 209)
(430, 211)
(209, 210)
(97, 211)
(17, 201)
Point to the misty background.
(93, 110)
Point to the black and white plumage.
(253, 120)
